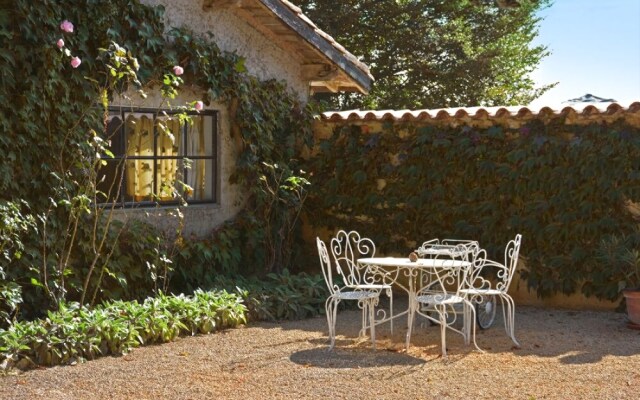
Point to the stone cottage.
(277, 42)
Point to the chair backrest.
(511, 253)
(425, 247)
(325, 264)
(472, 246)
(498, 273)
(346, 248)
(475, 278)
(449, 248)
(446, 279)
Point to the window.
(158, 161)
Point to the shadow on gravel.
(352, 358)
(570, 336)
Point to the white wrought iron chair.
(481, 287)
(443, 294)
(460, 249)
(346, 248)
(367, 299)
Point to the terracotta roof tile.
(585, 109)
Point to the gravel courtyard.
(564, 355)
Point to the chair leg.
(466, 322)
(505, 306)
(443, 329)
(510, 318)
(390, 294)
(471, 326)
(372, 324)
(331, 309)
(363, 318)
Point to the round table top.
(421, 263)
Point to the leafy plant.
(74, 333)
(280, 201)
(279, 296)
(618, 266)
(14, 225)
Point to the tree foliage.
(436, 53)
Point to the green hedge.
(563, 187)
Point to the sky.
(595, 47)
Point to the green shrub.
(279, 296)
(15, 224)
(74, 333)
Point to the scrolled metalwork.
(367, 299)
(449, 248)
(346, 248)
(480, 287)
(442, 273)
(442, 290)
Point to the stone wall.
(264, 60)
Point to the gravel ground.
(564, 355)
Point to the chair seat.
(440, 299)
(373, 286)
(489, 292)
(355, 295)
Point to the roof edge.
(457, 113)
(292, 16)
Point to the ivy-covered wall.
(63, 63)
(564, 181)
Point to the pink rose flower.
(75, 62)
(199, 105)
(66, 26)
(60, 43)
(178, 70)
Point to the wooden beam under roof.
(269, 33)
(286, 28)
(319, 72)
(361, 79)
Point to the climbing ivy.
(563, 187)
(49, 107)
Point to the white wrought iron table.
(398, 270)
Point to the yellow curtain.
(198, 168)
(169, 141)
(140, 144)
(140, 173)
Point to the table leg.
(412, 309)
